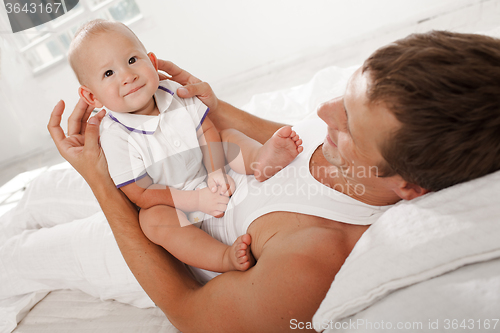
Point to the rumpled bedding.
(58, 238)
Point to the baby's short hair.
(85, 32)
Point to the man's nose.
(329, 111)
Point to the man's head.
(113, 67)
(424, 110)
(444, 89)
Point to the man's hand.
(192, 85)
(219, 181)
(81, 147)
(214, 204)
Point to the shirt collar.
(142, 123)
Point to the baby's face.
(119, 73)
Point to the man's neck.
(330, 176)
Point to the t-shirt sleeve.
(125, 163)
(198, 111)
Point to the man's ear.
(406, 190)
(153, 59)
(89, 97)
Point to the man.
(425, 111)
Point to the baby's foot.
(277, 153)
(240, 256)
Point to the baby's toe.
(285, 132)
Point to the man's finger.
(77, 121)
(202, 90)
(85, 117)
(54, 125)
(163, 76)
(92, 132)
(177, 74)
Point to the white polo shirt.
(165, 147)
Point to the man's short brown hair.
(444, 88)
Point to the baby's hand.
(211, 203)
(219, 180)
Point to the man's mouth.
(133, 90)
(330, 140)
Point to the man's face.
(119, 72)
(356, 130)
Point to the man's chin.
(330, 157)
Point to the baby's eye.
(108, 73)
(132, 60)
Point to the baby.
(161, 148)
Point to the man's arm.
(228, 116)
(222, 114)
(263, 299)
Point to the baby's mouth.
(133, 90)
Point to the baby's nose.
(129, 77)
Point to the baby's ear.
(89, 97)
(153, 59)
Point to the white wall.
(213, 39)
(218, 38)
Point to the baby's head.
(113, 67)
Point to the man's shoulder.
(315, 239)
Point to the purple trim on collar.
(131, 181)
(202, 119)
(131, 129)
(166, 89)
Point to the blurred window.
(46, 45)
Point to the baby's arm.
(214, 158)
(145, 194)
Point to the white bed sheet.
(64, 311)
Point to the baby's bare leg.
(241, 151)
(263, 161)
(170, 228)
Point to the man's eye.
(108, 73)
(132, 60)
